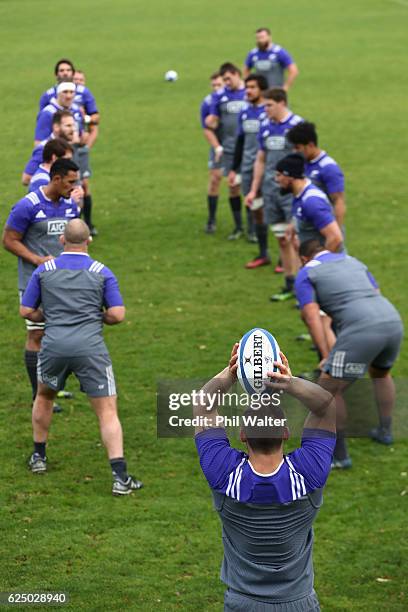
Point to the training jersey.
(311, 211)
(43, 128)
(345, 289)
(267, 518)
(270, 63)
(249, 123)
(272, 140)
(40, 178)
(83, 97)
(41, 222)
(325, 173)
(36, 157)
(227, 104)
(73, 289)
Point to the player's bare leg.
(384, 392)
(337, 387)
(290, 264)
(41, 421)
(235, 204)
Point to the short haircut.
(303, 133)
(215, 75)
(259, 30)
(260, 80)
(62, 167)
(229, 67)
(63, 61)
(278, 94)
(56, 146)
(264, 438)
(58, 116)
(78, 70)
(76, 232)
(309, 248)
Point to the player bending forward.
(267, 501)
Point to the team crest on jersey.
(70, 213)
(275, 143)
(56, 227)
(251, 126)
(235, 106)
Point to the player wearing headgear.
(273, 145)
(271, 60)
(54, 149)
(214, 167)
(77, 296)
(64, 100)
(369, 332)
(267, 500)
(225, 107)
(32, 233)
(246, 146)
(320, 168)
(63, 126)
(311, 209)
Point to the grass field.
(188, 295)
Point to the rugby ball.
(257, 352)
(171, 75)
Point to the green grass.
(161, 548)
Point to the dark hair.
(309, 248)
(59, 115)
(215, 75)
(63, 61)
(264, 438)
(303, 133)
(56, 146)
(229, 67)
(267, 30)
(278, 94)
(260, 81)
(62, 166)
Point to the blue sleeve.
(45, 98)
(319, 212)
(217, 458)
(43, 128)
(20, 216)
(89, 102)
(34, 161)
(204, 112)
(214, 106)
(261, 143)
(36, 183)
(313, 459)
(285, 59)
(249, 61)
(305, 293)
(333, 178)
(372, 280)
(32, 293)
(111, 292)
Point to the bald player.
(75, 296)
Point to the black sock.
(30, 360)
(235, 204)
(261, 231)
(119, 467)
(340, 450)
(39, 447)
(212, 208)
(87, 210)
(289, 283)
(385, 423)
(250, 221)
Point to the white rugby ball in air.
(257, 351)
(171, 75)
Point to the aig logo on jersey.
(275, 143)
(251, 126)
(56, 227)
(235, 106)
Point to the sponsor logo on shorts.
(275, 143)
(251, 126)
(51, 380)
(55, 228)
(355, 368)
(235, 106)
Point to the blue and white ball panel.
(257, 351)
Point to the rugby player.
(273, 145)
(32, 233)
(54, 149)
(64, 100)
(271, 61)
(214, 167)
(224, 110)
(369, 332)
(311, 210)
(320, 168)
(267, 500)
(63, 126)
(77, 296)
(246, 146)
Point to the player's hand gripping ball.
(257, 352)
(171, 76)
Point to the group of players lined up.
(272, 156)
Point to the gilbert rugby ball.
(171, 75)
(257, 351)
